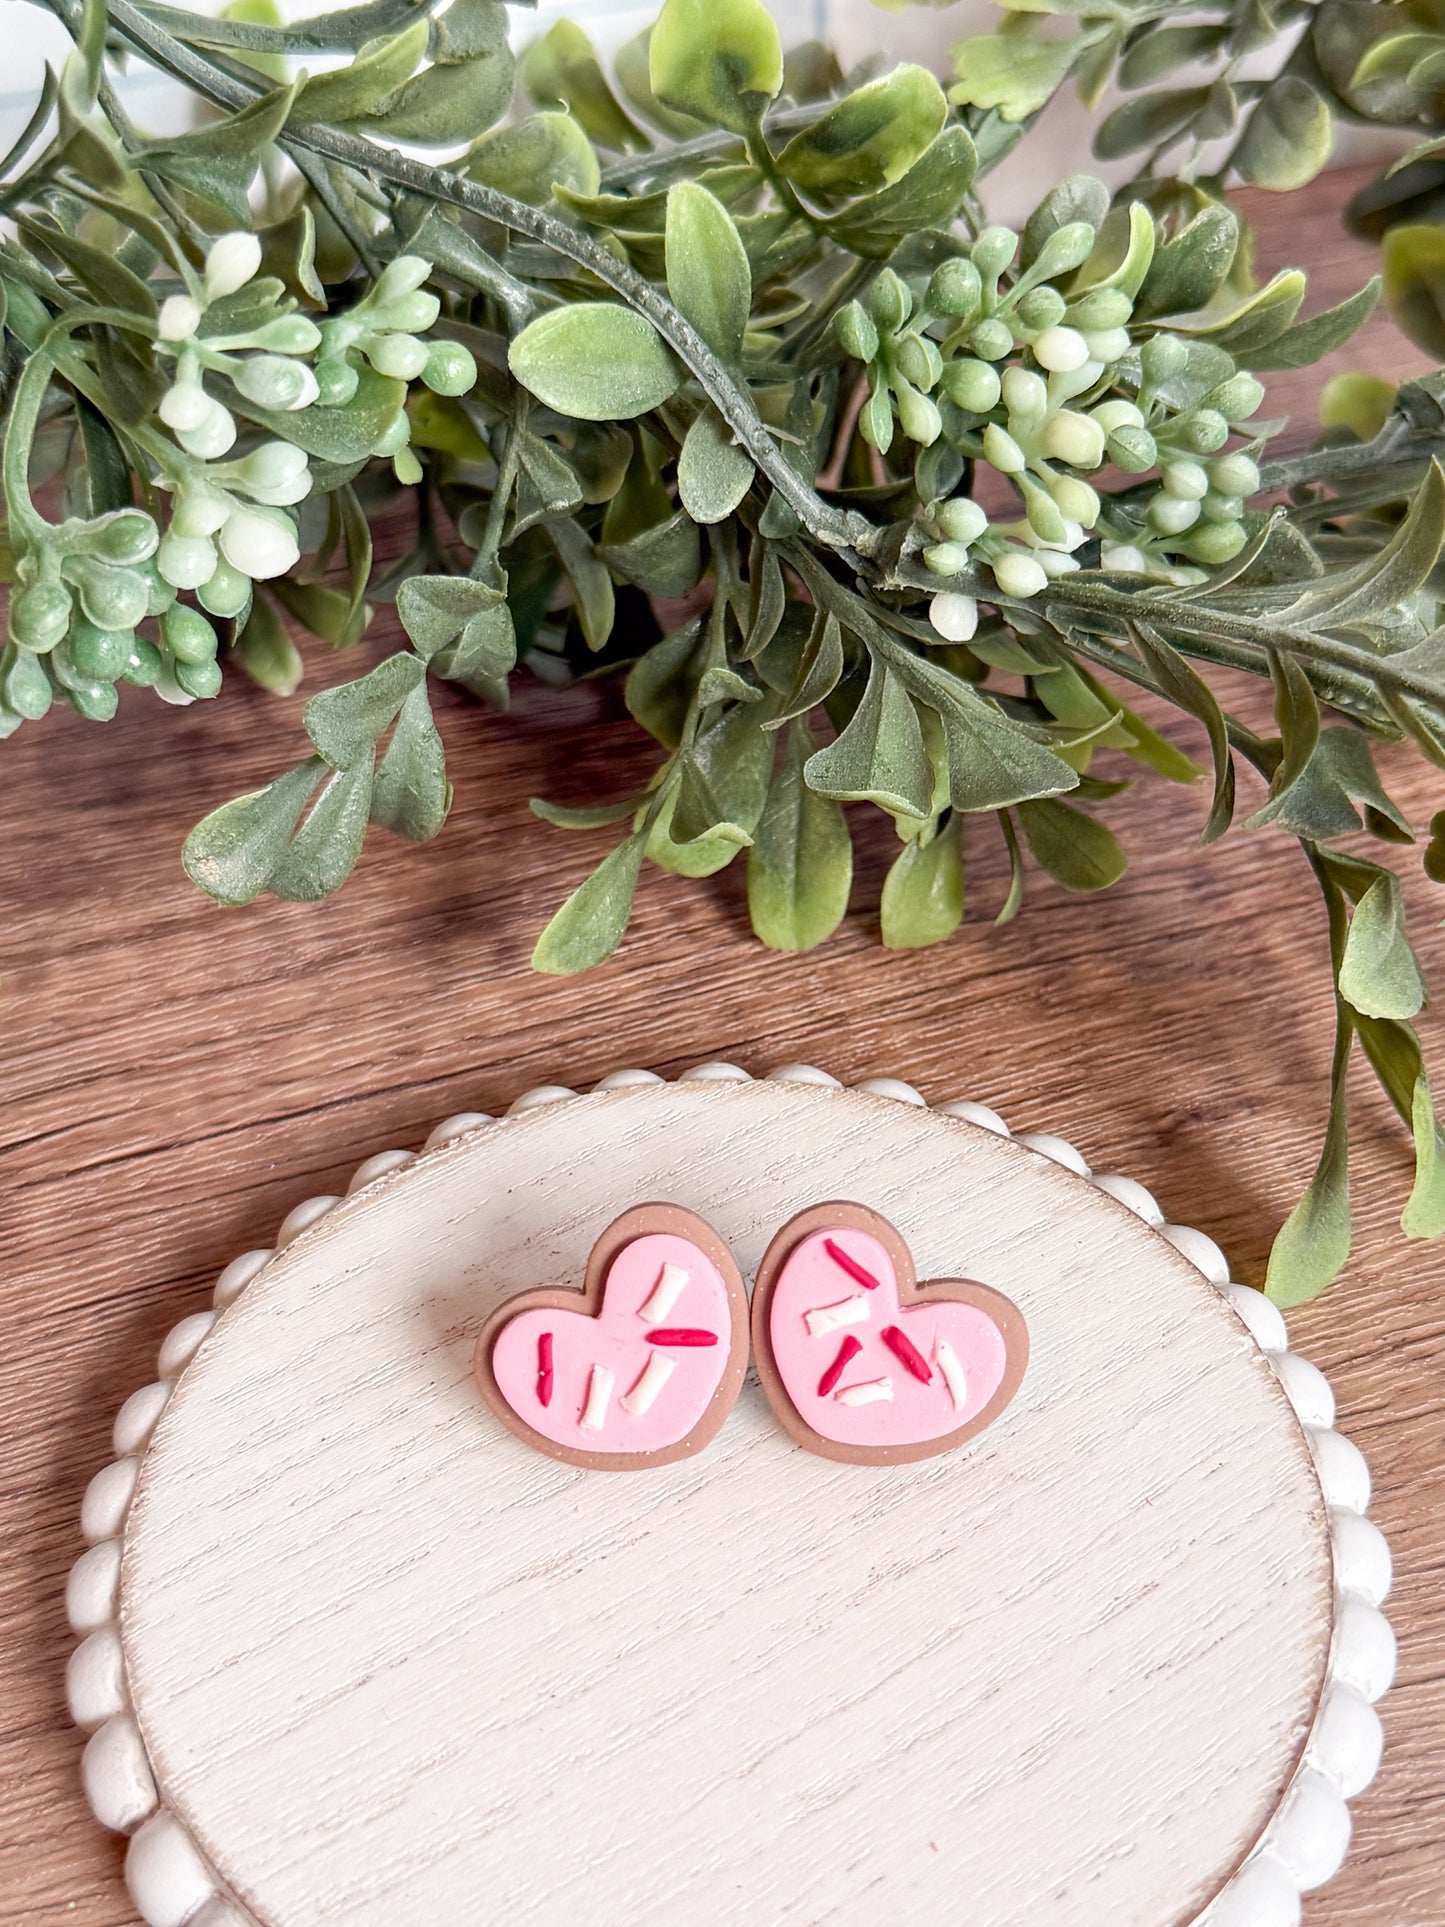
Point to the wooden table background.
(175, 1077)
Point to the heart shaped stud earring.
(638, 1368)
(860, 1362)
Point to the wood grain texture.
(388, 1659)
(176, 1077)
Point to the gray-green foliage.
(722, 324)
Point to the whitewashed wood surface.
(395, 1670)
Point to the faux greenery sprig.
(723, 325)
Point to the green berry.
(1100, 308)
(876, 421)
(856, 332)
(992, 340)
(1002, 452)
(450, 369)
(1076, 500)
(413, 313)
(401, 357)
(112, 598)
(955, 290)
(1044, 517)
(126, 536)
(1215, 542)
(890, 301)
(40, 615)
(1040, 308)
(1074, 438)
(1171, 516)
(96, 701)
(1133, 450)
(227, 592)
(336, 382)
(946, 558)
(1221, 508)
(1202, 431)
(1235, 474)
(1186, 480)
(146, 666)
(961, 520)
(973, 385)
(99, 655)
(187, 635)
(199, 678)
(1236, 399)
(1163, 357)
(917, 415)
(993, 251)
(919, 361)
(24, 686)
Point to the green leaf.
(1082, 853)
(356, 91)
(708, 275)
(232, 853)
(928, 196)
(1424, 1214)
(871, 138)
(1015, 75)
(461, 628)
(723, 777)
(530, 157)
(713, 473)
(1188, 691)
(595, 816)
(345, 722)
(718, 60)
(219, 161)
(800, 868)
(1378, 973)
(266, 652)
(879, 757)
(1259, 320)
(411, 794)
(592, 592)
(1319, 804)
(590, 924)
(992, 761)
(561, 70)
(703, 855)
(1188, 272)
(1390, 577)
(1313, 1243)
(664, 560)
(923, 891)
(1159, 50)
(1154, 120)
(1297, 714)
(467, 86)
(324, 851)
(343, 435)
(660, 684)
(1078, 197)
(820, 669)
(1289, 136)
(1413, 258)
(594, 360)
(1307, 341)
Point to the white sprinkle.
(655, 1374)
(827, 1318)
(665, 1294)
(868, 1393)
(599, 1390)
(946, 1359)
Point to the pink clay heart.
(642, 1365)
(860, 1362)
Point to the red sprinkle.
(681, 1335)
(544, 1369)
(902, 1346)
(847, 1352)
(850, 1265)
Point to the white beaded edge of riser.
(1301, 1848)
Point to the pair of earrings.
(858, 1360)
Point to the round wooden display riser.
(352, 1652)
